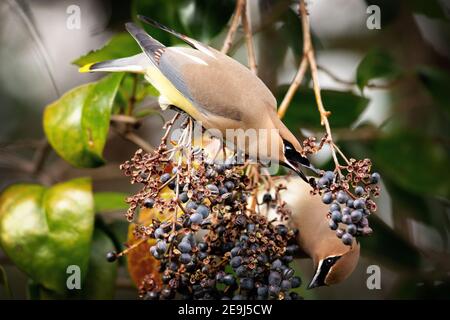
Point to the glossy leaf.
(388, 247)
(4, 282)
(376, 64)
(44, 230)
(345, 108)
(436, 82)
(414, 162)
(110, 201)
(121, 45)
(100, 281)
(206, 18)
(77, 124)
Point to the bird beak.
(296, 167)
(315, 282)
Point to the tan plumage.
(315, 238)
(214, 89)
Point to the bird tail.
(135, 64)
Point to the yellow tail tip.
(85, 68)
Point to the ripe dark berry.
(183, 197)
(262, 291)
(111, 256)
(229, 280)
(191, 205)
(359, 203)
(213, 188)
(267, 198)
(286, 285)
(296, 282)
(164, 178)
(333, 225)
(202, 246)
(329, 175)
(359, 191)
(229, 185)
(282, 229)
(341, 197)
(203, 210)
(236, 261)
(375, 177)
(274, 290)
(246, 283)
(185, 258)
(347, 239)
(336, 216)
(149, 203)
(347, 219)
(276, 264)
(327, 198)
(339, 233)
(274, 278)
(351, 229)
(196, 218)
(161, 246)
(185, 247)
(335, 207)
(356, 216)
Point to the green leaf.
(167, 14)
(4, 282)
(119, 46)
(414, 162)
(345, 108)
(376, 64)
(100, 281)
(436, 82)
(429, 8)
(388, 247)
(204, 19)
(110, 201)
(77, 124)
(45, 230)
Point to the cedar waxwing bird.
(212, 88)
(333, 261)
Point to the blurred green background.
(388, 90)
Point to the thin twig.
(134, 138)
(246, 23)
(132, 98)
(124, 119)
(309, 51)
(370, 85)
(293, 88)
(233, 27)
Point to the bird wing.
(215, 84)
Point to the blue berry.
(185, 258)
(347, 219)
(149, 203)
(359, 203)
(274, 278)
(327, 198)
(335, 207)
(203, 210)
(161, 246)
(333, 225)
(341, 197)
(236, 261)
(229, 185)
(196, 218)
(339, 233)
(262, 291)
(336, 216)
(191, 205)
(183, 197)
(356, 216)
(184, 247)
(375, 177)
(350, 203)
(213, 188)
(351, 229)
(277, 264)
(202, 246)
(286, 285)
(296, 282)
(159, 233)
(359, 191)
(164, 178)
(347, 239)
(329, 175)
(246, 283)
(229, 280)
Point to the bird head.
(334, 267)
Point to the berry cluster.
(349, 198)
(210, 242)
